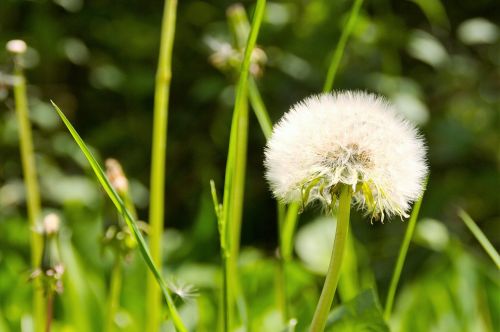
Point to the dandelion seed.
(351, 138)
(183, 290)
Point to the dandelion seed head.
(351, 138)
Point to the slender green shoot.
(339, 50)
(259, 109)
(483, 240)
(129, 219)
(33, 200)
(333, 274)
(114, 296)
(288, 230)
(158, 156)
(389, 302)
(236, 161)
(224, 255)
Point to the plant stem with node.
(157, 194)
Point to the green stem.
(339, 50)
(483, 240)
(236, 162)
(159, 145)
(50, 310)
(114, 294)
(259, 109)
(401, 259)
(33, 200)
(333, 274)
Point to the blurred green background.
(438, 61)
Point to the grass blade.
(402, 257)
(339, 50)
(131, 222)
(236, 162)
(483, 240)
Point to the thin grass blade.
(131, 222)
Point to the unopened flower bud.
(115, 174)
(51, 224)
(16, 46)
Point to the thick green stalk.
(33, 201)
(158, 155)
(236, 162)
(401, 259)
(483, 240)
(333, 274)
(339, 50)
(114, 294)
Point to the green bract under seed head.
(350, 138)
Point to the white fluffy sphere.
(351, 138)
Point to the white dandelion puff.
(351, 138)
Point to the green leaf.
(131, 222)
(363, 313)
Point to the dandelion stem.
(401, 258)
(33, 200)
(339, 50)
(483, 240)
(50, 310)
(159, 144)
(236, 162)
(333, 274)
(114, 295)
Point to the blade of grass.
(129, 219)
(339, 50)
(158, 156)
(236, 162)
(479, 235)
(240, 27)
(33, 200)
(402, 256)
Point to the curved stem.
(333, 274)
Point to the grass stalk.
(158, 156)
(129, 219)
(33, 200)
(236, 162)
(479, 235)
(333, 274)
(389, 302)
(339, 50)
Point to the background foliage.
(439, 62)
